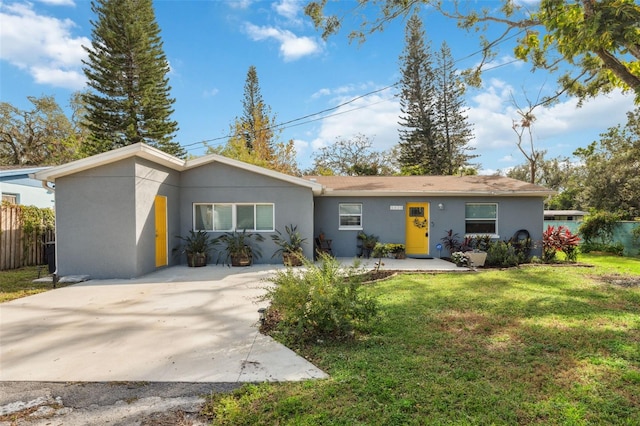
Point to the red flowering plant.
(559, 239)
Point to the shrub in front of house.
(503, 254)
(319, 301)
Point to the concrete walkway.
(178, 324)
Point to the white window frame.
(494, 234)
(341, 215)
(234, 217)
(11, 198)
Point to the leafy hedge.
(322, 301)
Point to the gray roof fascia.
(364, 193)
(20, 172)
(136, 150)
(162, 158)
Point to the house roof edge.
(141, 150)
(315, 187)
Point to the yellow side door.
(417, 228)
(161, 231)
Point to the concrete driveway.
(179, 324)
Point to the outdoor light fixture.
(261, 312)
(441, 206)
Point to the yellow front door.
(417, 229)
(161, 230)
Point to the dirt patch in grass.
(373, 276)
(172, 418)
(627, 281)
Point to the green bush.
(600, 226)
(503, 254)
(322, 301)
(635, 234)
(617, 248)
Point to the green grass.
(16, 283)
(612, 264)
(535, 345)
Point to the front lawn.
(532, 345)
(16, 283)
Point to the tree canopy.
(254, 135)
(434, 132)
(41, 136)
(129, 98)
(611, 181)
(592, 45)
(351, 157)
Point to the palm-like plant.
(289, 245)
(197, 246)
(239, 248)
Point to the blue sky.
(342, 88)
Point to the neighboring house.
(119, 213)
(17, 187)
(565, 215)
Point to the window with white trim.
(10, 198)
(350, 216)
(481, 218)
(225, 217)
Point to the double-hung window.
(224, 217)
(481, 218)
(350, 216)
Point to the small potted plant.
(289, 246)
(477, 249)
(239, 248)
(369, 242)
(459, 258)
(397, 250)
(197, 246)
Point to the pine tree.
(254, 135)
(420, 150)
(129, 98)
(455, 131)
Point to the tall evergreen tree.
(129, 100)
(254, 112)
(254, 135)
(455, 130)
(419, 148)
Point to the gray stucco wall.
(105, 225)
(514, 213)
(152, 180)
(220, 183)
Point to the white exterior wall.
(29, 195)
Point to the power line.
(286, 124)
(289, 124)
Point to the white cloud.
(58, 2)
(292, 47)
(559, 128)
(43, 46)
(71, 79)
(210, 93)
(375, 117)
(342, 90)
(502, 61)
(288, 8)
(240, 4)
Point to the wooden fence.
(17, 249)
